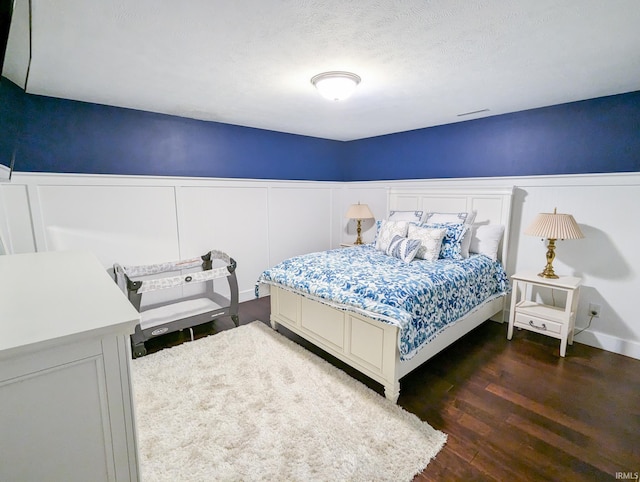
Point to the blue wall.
(592, 136)
(56, 135)
(76, 137)
(10, 119)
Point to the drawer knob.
(543, 327)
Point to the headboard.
(491, 204)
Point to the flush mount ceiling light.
(335, 85)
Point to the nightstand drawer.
(534, 323)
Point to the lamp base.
(546, 274)
(359, 239)
(551, 254)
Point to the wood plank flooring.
(513, 410)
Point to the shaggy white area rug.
(249, 404)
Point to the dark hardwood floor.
(513, 410)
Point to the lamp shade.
(359, 211)
(554, 226)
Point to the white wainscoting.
(608, 259)
(138, 220)
(141, 220)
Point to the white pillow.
(389, 229)
(411, 216)
(466, 242)
(403, 248)
(450, 218)
(486, 240)
(430, 241)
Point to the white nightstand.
(347, 245)
(554, 321)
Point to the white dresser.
(66, 410)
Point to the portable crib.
(187, 311)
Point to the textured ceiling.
(249, 62)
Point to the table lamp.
(553, 226)
(359, 212)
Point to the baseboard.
(610, 343)
(603, 341)
(246, 295)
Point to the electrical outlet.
(594, 310)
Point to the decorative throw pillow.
(403, 248)
(464, 217)
(451, 247)
(430, 241)
(389, 229)
(411, 216)
(375, 238)
(486, 240)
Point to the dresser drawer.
(534, 323)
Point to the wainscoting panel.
(140, 220)
(15, 219)
(231, 219)
(299, 221)
(129, 224)
(137, 220)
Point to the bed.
(382, 315)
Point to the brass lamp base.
(359, 229)
(551, 254)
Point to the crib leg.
(138, 350)
(236, 320)
(191, 332)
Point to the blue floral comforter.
(422, 297)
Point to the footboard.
(367, 345)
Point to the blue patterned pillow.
(451, 247)
(378, 226)
(403, 248)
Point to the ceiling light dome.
(335, 85)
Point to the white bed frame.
(371, 346)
